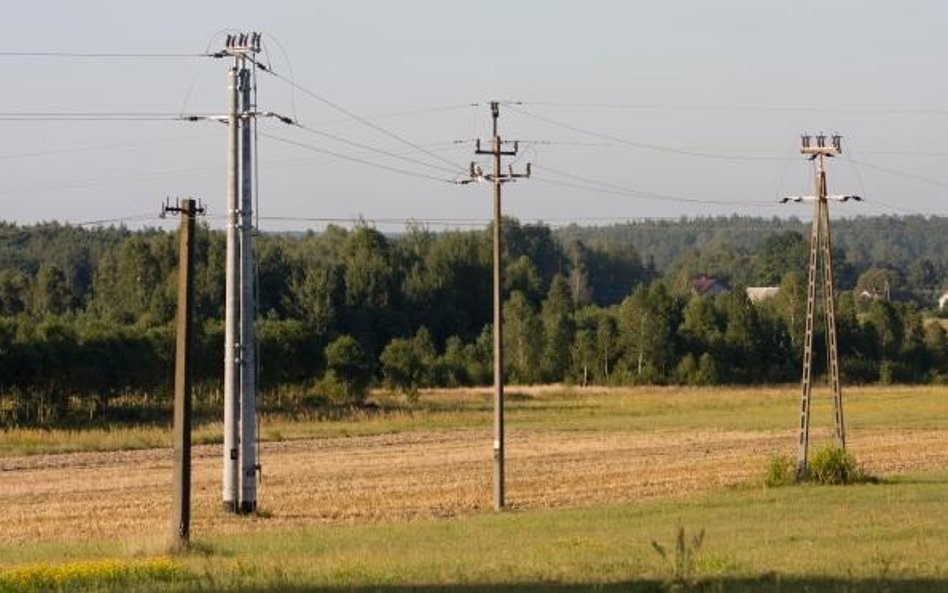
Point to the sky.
(626, 109)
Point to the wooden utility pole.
(498, 178)
(820, 245)
(181, 505)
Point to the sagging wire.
(358, 118)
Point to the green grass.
(872, 538)
(632, 409)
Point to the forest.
(87, 314)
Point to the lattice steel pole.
(820, 248)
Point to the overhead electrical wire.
(394, 114)
(745, 108)
(904, 153)
(73, 54)
(394, 155)
(127, 218)
(93, 116)
(647, 146)
(100, 181)
(354, 159)
(615, 189)
(90, 119)
(703, 223)
(94, 147)
(359, 118)
(899, 173)
(586, 184)
(476, 222)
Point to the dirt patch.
(125, 495)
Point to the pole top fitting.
(834, 148)
(241, 44)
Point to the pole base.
(247, 507)
(230, 506)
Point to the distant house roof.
(761, 293)
(707, 286)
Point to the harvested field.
(125, 495)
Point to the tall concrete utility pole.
(231, 302)
(247, 481)
(497, 178)
(820, 245)
(181, 498)
(240, 464)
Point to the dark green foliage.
(557, 318)
(409, 364)
(349, 371)
(523, 340)
(86, 315)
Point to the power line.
(904, 153)
(100, 181)
(406, 112)
(891, 171)
(702, 223)
(127, 218)
(355, 159)
(91, 148)
(646, 146)
(367, 147)
(70, 54)
(611, 188)
(358, 118)
(88, 118)
(432, 221)
(745, 108)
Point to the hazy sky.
(642, 98)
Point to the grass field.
(399, 500)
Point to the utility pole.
(240, 464)
(820, 245)
(181, 503)
(498, 179)
(247, 482)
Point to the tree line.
(86, 315)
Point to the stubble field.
(569, 452)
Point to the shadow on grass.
(769, 584)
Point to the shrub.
(832, 465)
(781, 471)
(348, 371)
